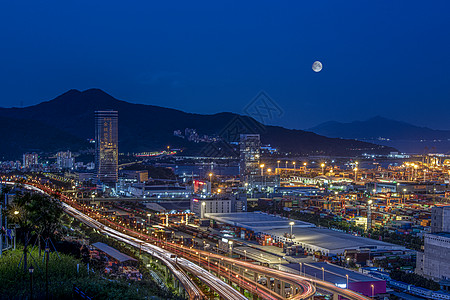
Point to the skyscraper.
(30, 160)
(250, 151)
(106, 146)
(64, 160)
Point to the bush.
(62, 275)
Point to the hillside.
(379, 127)
(148, 127)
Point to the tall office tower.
(250, 151)
(106, 146)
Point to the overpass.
(244, 275)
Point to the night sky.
(388, 58)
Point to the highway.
(223, 289)
(165, 256)
(293, 279)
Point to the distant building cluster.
(64, 160)
(30, 160)
(191, 135)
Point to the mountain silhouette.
(379, 127)
(149, 128)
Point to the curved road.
(224, 289)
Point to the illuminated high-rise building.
(106, 146)
(250, 152)
(30, 160)
(64, 160)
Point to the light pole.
(47, 254)
(262, 169)
(323, 166)
(301, 265)
(278, 164)
(356, 171)
(245, 253)
(231, 248)
(286, 164)
(346, 275)
(198, 257)
(31, 270)
(293, 164)
(372, 289)
(323, 273)
(292, 224)
(149, 216)
(202, 213)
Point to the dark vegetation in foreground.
(40, 218)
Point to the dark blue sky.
(388, 58)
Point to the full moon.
(317, 66)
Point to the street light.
(346, 275)
(323, 166)
(372, 289)
(293, 164)
(292, 224)
(245, 253)
(231, 247)
(323, 273)
(278, 164)
(262, 169)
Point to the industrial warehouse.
(311, 238)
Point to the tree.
(35, 213)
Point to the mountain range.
(67, 122)
(379, 127)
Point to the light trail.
(218, 285)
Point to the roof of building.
(333, 273)
(443, 234)
(304, 233)
(256, 221)
(332, 240)
(117, 255)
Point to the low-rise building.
(228, 203)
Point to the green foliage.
(327, 222)
(410, 241)
(62, 275)
(415, 279)
(36, 212)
